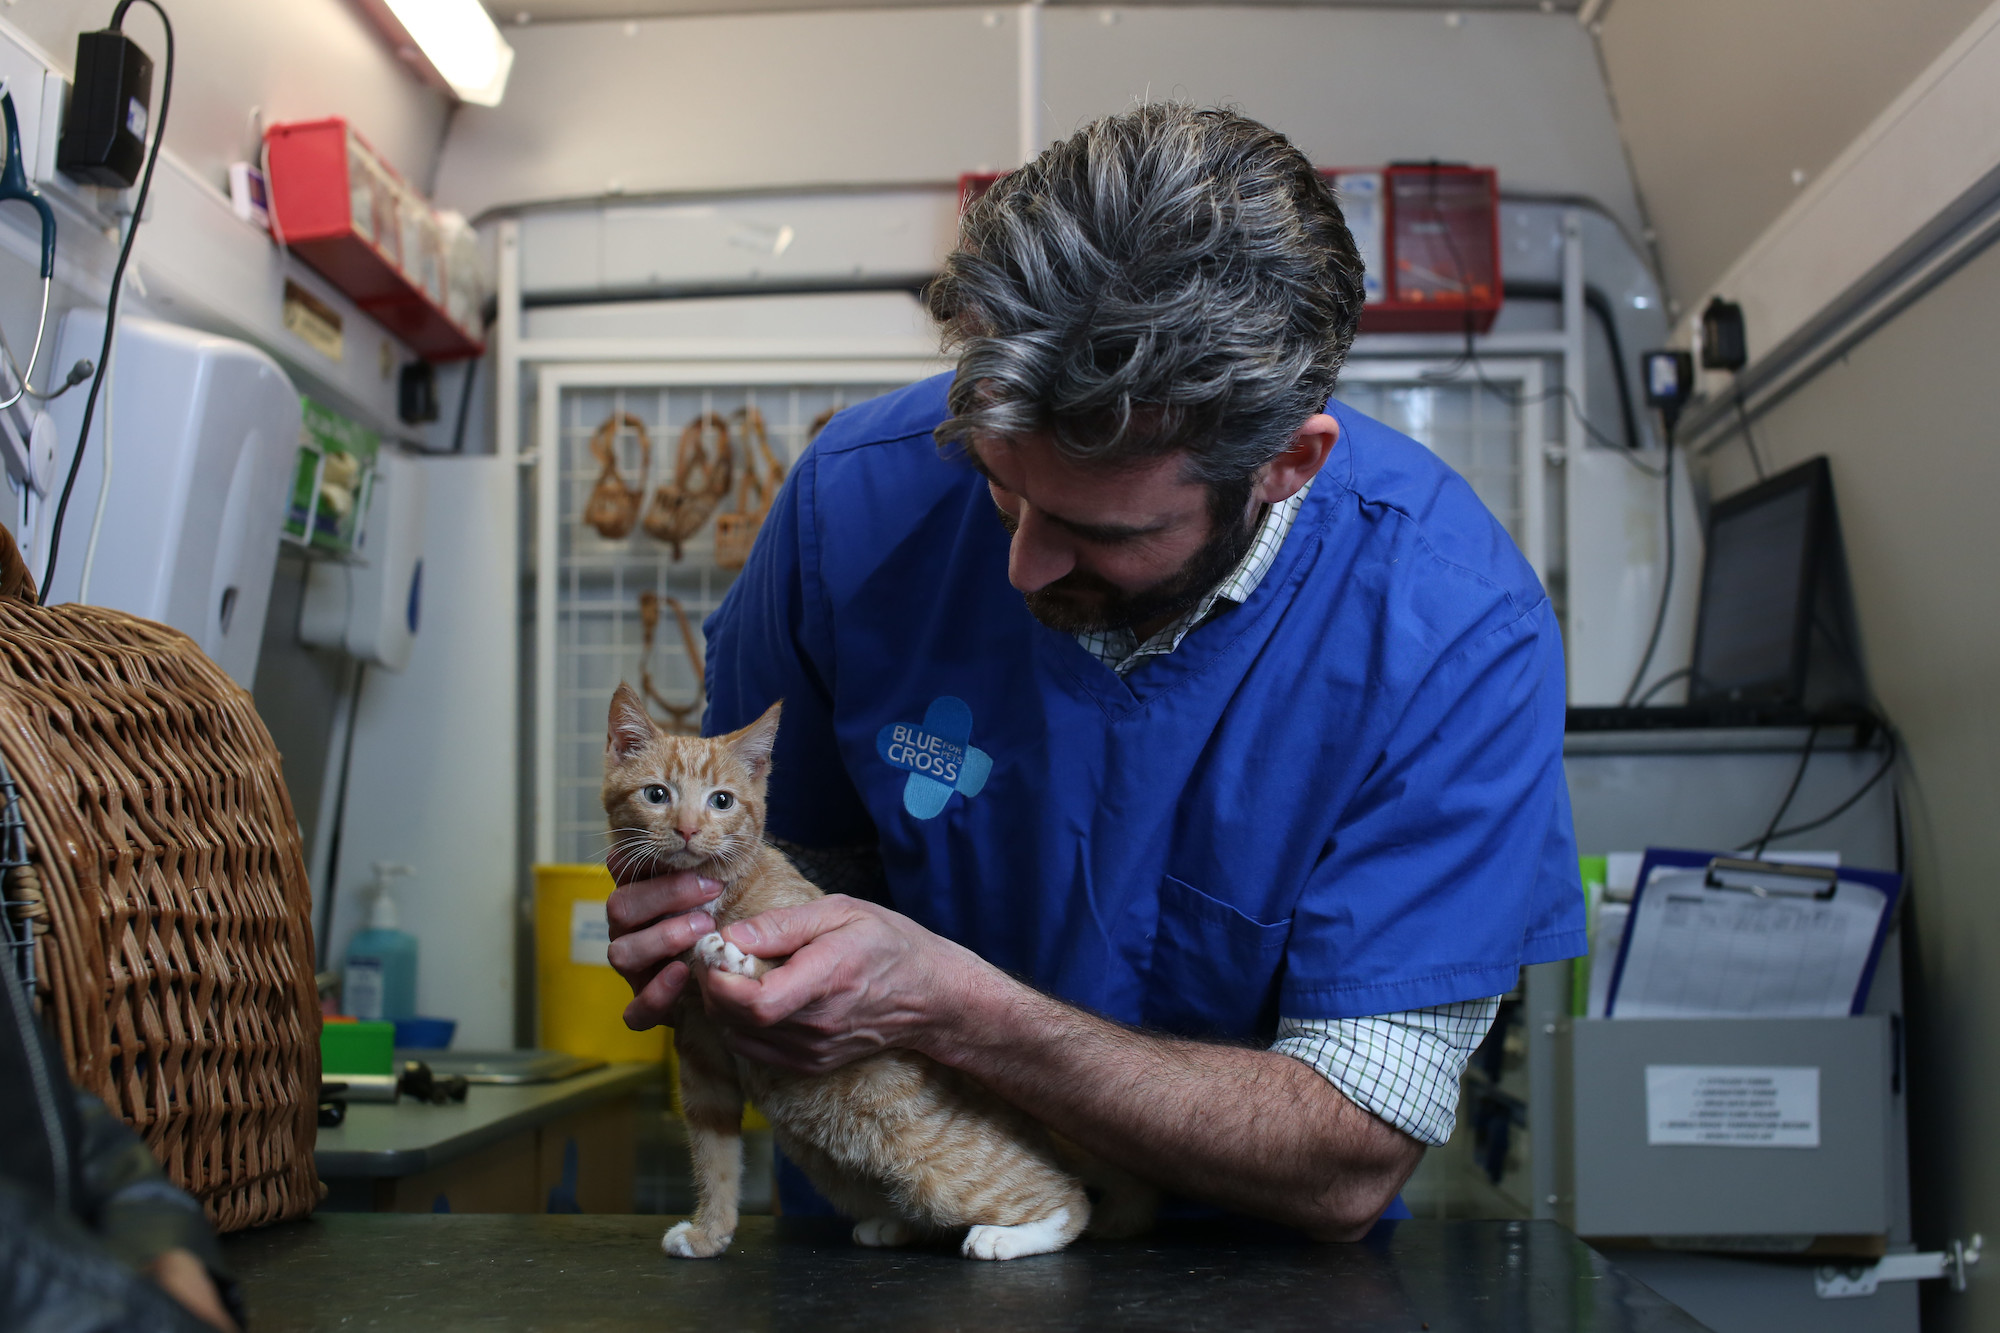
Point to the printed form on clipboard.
(1719, 937)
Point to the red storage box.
(1430, 236)
(339, 207)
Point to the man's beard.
(1083, 603)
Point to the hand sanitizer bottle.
(380, 980)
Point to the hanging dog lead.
(701, 481)
(736, 533)
(614, 505)
(683, 717)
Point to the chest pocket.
(1214, 971)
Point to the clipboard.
(1712, 935)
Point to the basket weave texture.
(177, 971)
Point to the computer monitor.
(1771, 575)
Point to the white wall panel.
(1733, 108)
(1928, 149)
(733, 102)
(1906, 420)
(432, 783)
(1518, 91)
(870, 96)
(879, 237)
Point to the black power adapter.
(104, 135)
(1723, 346)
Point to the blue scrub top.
(1344, 797)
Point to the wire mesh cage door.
(1490, 426)
(660, 479)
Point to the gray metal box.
(1625, 1186)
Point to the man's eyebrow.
(1105, 532)
(1097, 532)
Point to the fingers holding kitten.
(654, 996)
(646, 958)
(642, 902)
(637, 956)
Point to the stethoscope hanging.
(14, 185)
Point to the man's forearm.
(1248, 1129)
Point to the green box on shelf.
(357, 1048)
(335, 473)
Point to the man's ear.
(1311, 445)
(630, 729)
(753, 744)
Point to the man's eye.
(722, 800)
(654, 794)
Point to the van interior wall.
(917, 96)
(1906, 419)
(240, 65)
(1735, 114)
(1729, 108)
(239, 59)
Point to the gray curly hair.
(1168, 279)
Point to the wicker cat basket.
(176, 967)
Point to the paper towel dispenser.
(204, 433)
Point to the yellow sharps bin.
(581, 1000)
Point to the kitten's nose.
(687, 834)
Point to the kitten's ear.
(630, 729)
(753, 744)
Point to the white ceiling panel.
(561, 11)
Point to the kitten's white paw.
(723, 956)
(685, 1242)
(882, 1232)
(1043, 1237)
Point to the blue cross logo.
(938, 755)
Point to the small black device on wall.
(416, 393)
(1669, 379)
(1723, 346)
(104, 133)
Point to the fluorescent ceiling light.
(458, 41)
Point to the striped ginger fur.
(913, 1149)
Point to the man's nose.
(1038, 555)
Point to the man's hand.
(652, 922)
(860, 979)
(183, 1276)
(1249, 1129)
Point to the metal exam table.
(584, 1272)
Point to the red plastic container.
(1441, 251)
(972, 184)
(339, 207)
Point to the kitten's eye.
(654, 794)
(722, 800)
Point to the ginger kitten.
(910, 1147)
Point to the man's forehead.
(1037, 454)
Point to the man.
(1206, 735)
(93, 1236)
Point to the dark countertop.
(584, 1272)
(382, 1139)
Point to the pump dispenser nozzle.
(382, 913)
